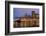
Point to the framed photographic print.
(24, 17)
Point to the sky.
(18, 12)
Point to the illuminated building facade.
(28, 21)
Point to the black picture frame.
(7, 20)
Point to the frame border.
(7, 17)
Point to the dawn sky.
(18, 12)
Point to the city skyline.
(26, 17)
(18, 12)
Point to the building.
(28, 21)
